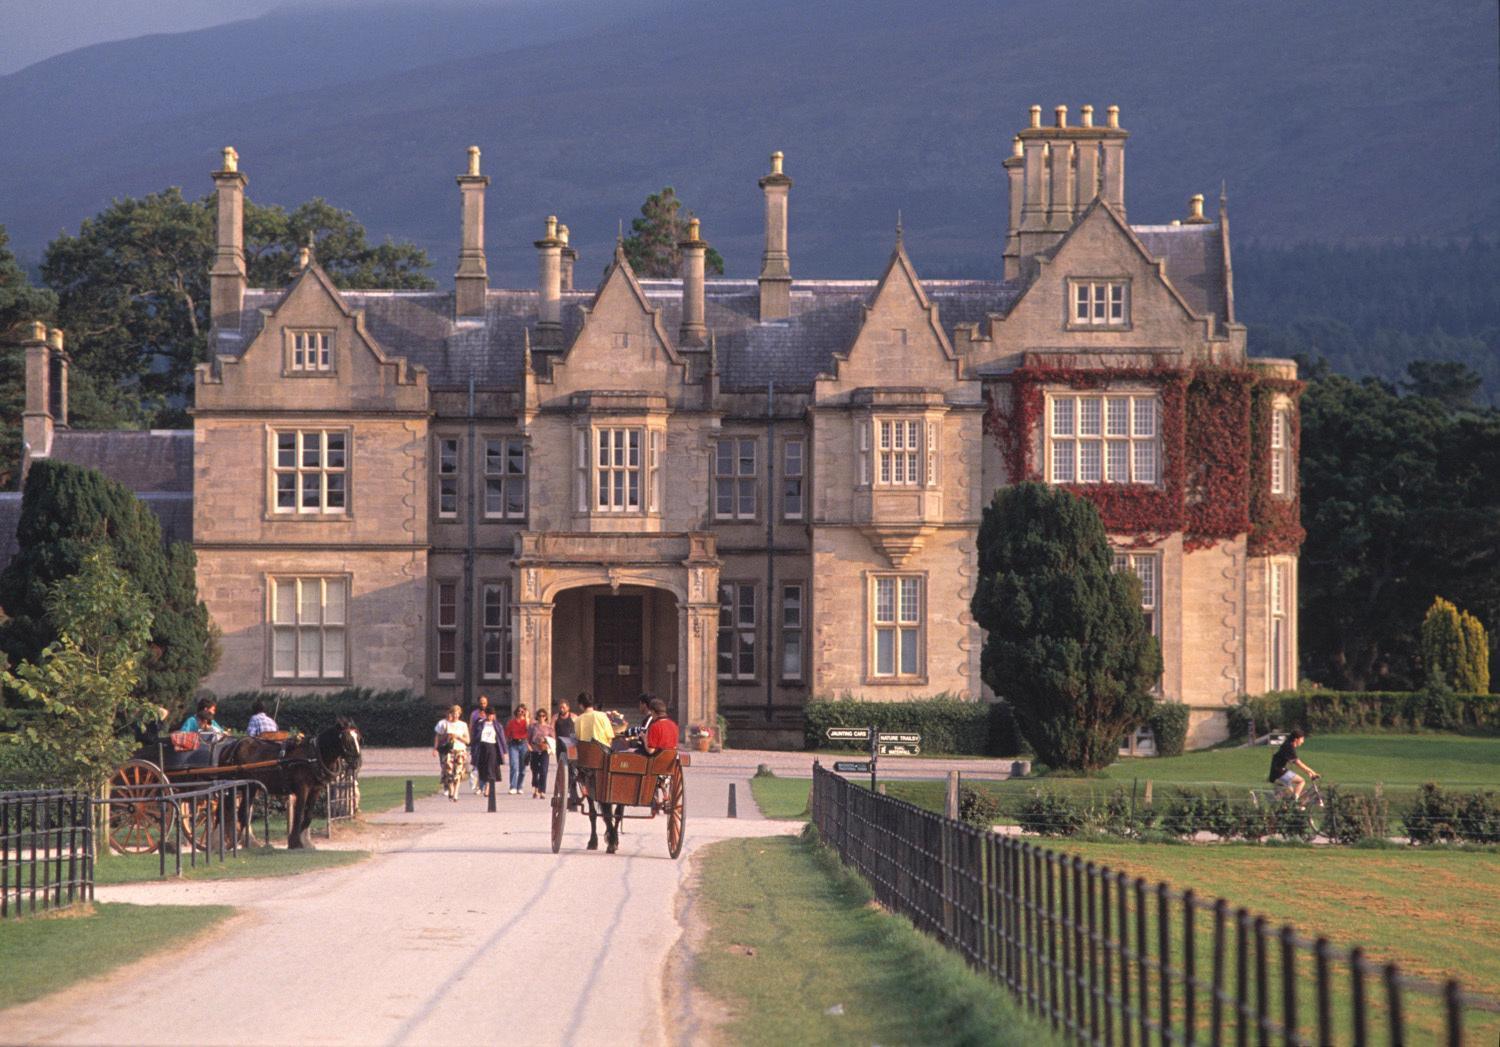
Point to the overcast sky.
(37, 29)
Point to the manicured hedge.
(947, 725)
(1335, 712)
(384, 717)
(1169, 726)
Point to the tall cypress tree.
(67, 511)
(1066, 645)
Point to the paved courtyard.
(463, 928)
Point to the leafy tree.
(1066, 643)
(1400, 503)
(1452, 384)
(81, 695)
(651, 248)
(67, 514)
(20, 303)
(1455, 649)
(133, 291)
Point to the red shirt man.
(661, 733)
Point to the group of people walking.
(476, 748)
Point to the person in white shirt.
(450, 741)
(487, 752)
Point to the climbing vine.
(1210, 479)
(1276, 520)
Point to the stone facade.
(736, 494)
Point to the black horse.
(297, 771)
(591, 758)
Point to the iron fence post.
(1289, 982)
(1453, 1005)
(1393, 1012)
(1189, 968)
(1321, 952)
(1216, 1000)
(1357, 969)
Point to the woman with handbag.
(541, 740)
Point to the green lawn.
(251, 861)
(61, 949)
(1401, 763)
(377, 795)
(1434, 912)
(793, 936)
(781, 797)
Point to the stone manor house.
(737, 494)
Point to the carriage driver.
(661, 732)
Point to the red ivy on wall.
(1276, 520)
(1209, 473)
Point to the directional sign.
(899, 737)
(848, 734)
(852, 766)
(897, 749)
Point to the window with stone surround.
(505, 478)
(1103, 438)
(897, 623)
(1147, 569)
(309, 622)
(734, 478)
(793, 478)
(793, 619)
(495, 639)
(310, 471)
(737, 629)
(445, 624)
(617, 470)
(1282, 672)
(448, 458)
(309, 352)
(1098, 303)
(1281, 465)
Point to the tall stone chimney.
(776, 263)
(1055, 174)
(549, 308)
(694, 250)
(37, 418)
(569, 257)
(472, 280)
(227, 278)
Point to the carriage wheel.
(559, 806)
(137, 826)
(675, 809)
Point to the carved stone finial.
(900, 233)
(231, 159)
(473, 161)
(525, 350)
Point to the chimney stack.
(227, 278)
(549, 309)
(1055, 173)
(569, 257)
(776, 263)
(694, 250)
(1195, 211)
(472, 281)
(37, 418)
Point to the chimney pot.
(777, 158)
(473, 161)
(562, 234)
(1087, 112)
(231, 159)
(1016, 148)
(1195, 210)
(1112, 116)
(38, 331)
(1062, 115)
(549, 302)
(693, 228)
(55, 339)
(1036, 116)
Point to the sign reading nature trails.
(899, 737)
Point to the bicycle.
(1310, 804)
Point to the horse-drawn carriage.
(149, 792)
(609, 782)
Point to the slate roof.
(825, 317)
(155, 460)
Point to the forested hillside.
(1373, 310)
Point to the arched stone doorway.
(618, 614)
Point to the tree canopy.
(651, 248)
(67, 514)
(1066, 642)
(133, 292)
(1400, 503)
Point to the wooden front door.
(618, 651)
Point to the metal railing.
(46, 850)
(340, 800)
(1109, 959)
(204, 820)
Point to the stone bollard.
(411, 804)
(733, 809)
(492, 798)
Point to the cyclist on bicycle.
(1282, 776)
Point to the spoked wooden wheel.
(205, 818)
(141, 823)
(559, 806)
(675, 808)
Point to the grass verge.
(378, 795)
(61, 949)
(783, 798)
(251, 862)
(798, 954)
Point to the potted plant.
(702, 736)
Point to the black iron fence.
(46, 850)
(205, 822)
(1109, 959)
(340, 800)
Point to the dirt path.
(431, 941)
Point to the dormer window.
(309, 352)
(1098, 303)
